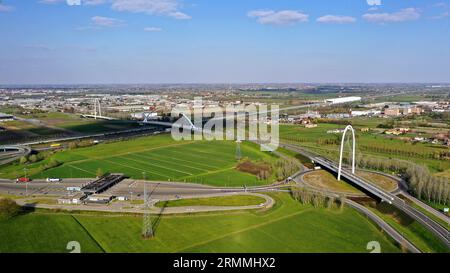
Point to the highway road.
(441, 232)
(102, 135)
(134, 189)
(39, 187)
(10, 153)
(386, 227)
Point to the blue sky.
(228, 41)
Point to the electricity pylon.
(238, 150)
(147, 229)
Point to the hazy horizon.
(233, 42)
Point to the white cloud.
(5, 8)
(336, 19)
(283, 17)
(169, 8)
(409, 14)
(106, 21)
(179, 15)
(374, 2)
(152, 29)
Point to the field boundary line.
(139, 169)
(243, 230)
(209, 172)
(159, 166)
(158, 158)
(200, 156)
(89, 234)
(108, 156)
(78, 168)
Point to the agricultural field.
(36, 126)
(20, 130)
(31, 233)
(410, 229)
(233, 200)
(288, 227)
(159, 157)
(368, 143)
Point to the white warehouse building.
(342, 100)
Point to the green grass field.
(160, 157)
(232, 200)
(410, 229)
(372, 144)
(324, 180)
(288, 227)
(43, 233)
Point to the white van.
(54, 179)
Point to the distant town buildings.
(397, 131)
(399, 110)
(371, 112)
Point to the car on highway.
(23, 180)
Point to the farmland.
(233, 200)
(36, 126)
(369, 144)
(411, 229)
(288, 227)
(159, 157)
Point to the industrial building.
(72, 199)
(343, 100)
(99, 198)
(398, 110)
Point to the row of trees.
(426, 186)
(410, 152)
(33, 158)
(317, 200)
(80, 144)
(285, 168)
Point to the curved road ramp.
(9, 154)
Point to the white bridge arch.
(349, 127)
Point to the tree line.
(422, 184)
(317, 200)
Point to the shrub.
(8, 208)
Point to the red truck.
(23, 180)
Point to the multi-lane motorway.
(441, 232)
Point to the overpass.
(11, 153)
(97, 117)
(441, 232)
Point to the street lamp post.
(26, 182)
